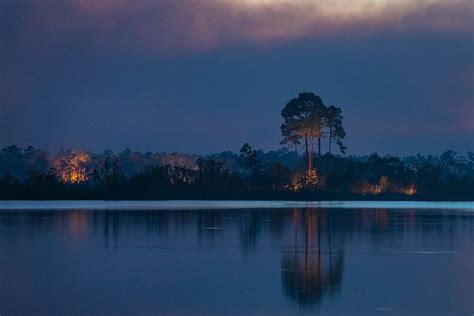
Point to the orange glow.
(410, 190)
(77, 222)
(384, 186)
(381, 186)
(367, 188)
(306, 181)
(73, 167)
(381, 218)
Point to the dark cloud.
(150, 26)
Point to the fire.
(384, 186)
(73, 168)
(410, 190)
(367, 188)
(381, 186)
(307, 181)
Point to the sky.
(209, 75)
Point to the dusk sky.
(207, 76)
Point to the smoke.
(150, 26)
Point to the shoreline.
(158, 205)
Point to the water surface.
(251, 261)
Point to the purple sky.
(206, 76)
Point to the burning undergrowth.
(73, 166)
(384, 185)
(306, 181)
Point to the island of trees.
(32, 173)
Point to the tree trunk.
(308, 159)
(319, 146)
(296, 155)
(309, 154)
(330, 138)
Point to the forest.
(35, 174)
(286, 173)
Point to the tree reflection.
(249, 231)
(314, 265)
(311, 246)
(209, 224)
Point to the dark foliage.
(31, 174)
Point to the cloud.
(151, 26)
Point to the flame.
(384, 185)
(367, 188)
(73, 168)
(307, 181)
(410, 190)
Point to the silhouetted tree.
(212, 173)
(248, 158)
(336, 130)
(110, 177)
(304, 116)
(43, 184)
(290, 138)
(153, 181)
(9, 186)
(248, 174)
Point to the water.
(228, 260)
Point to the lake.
(236, 258)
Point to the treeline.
(35, 174)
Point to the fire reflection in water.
(314, 265)
(77, 224)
